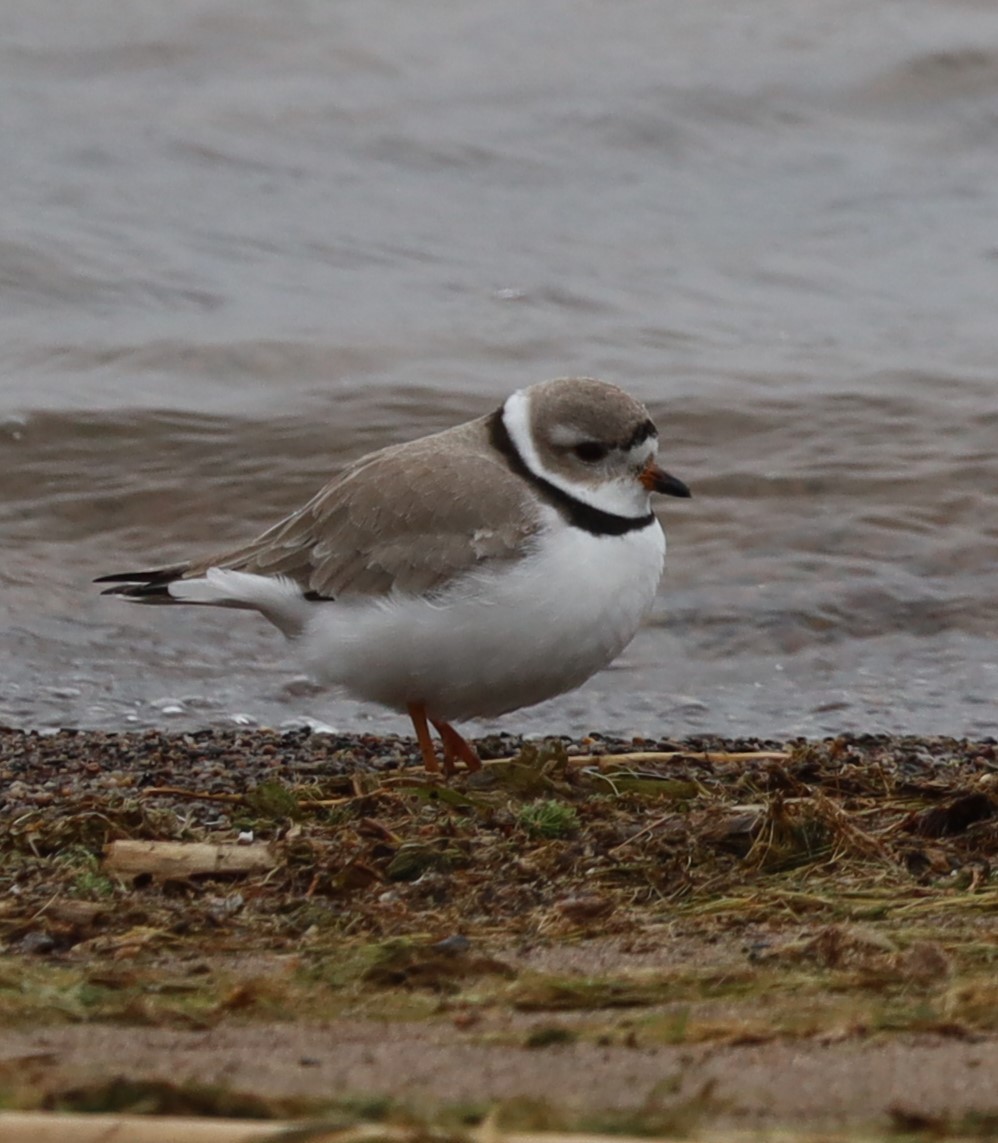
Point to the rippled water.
(242, 244)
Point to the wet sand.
(927, 1080)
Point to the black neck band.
(576, 512)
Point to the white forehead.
(645, 450)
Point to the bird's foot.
(456, 748)
(417, 712)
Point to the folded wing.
(409, 519)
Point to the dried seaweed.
(863, 867)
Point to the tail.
(279, 599)
(145, 586)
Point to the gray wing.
(409, 518)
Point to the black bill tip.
(656, 479)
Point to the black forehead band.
(645, 430)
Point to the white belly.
(515, 637)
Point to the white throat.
(621, 497)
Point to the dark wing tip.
(159, 575)
(139, 590)
(150, 585)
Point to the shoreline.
(781, 933)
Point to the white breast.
(499, 640)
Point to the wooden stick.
(60, 1127)
(41, 1127)
(637, 758)
(192, 795)
(178, 860)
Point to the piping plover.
(466, 574)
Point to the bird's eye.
(590, 451)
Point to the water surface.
(243, 244)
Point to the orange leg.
(417, 712)
(456, 748)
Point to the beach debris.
(180, 860)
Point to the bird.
(465, 574)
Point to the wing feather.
(408, 519)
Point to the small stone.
(38, 942)
(453, 945)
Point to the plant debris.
(348, 837)
(804, 889)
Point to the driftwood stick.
(45, 1127)
(178, 860)
(641, 757)
(191, 795)
(42, 1127)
